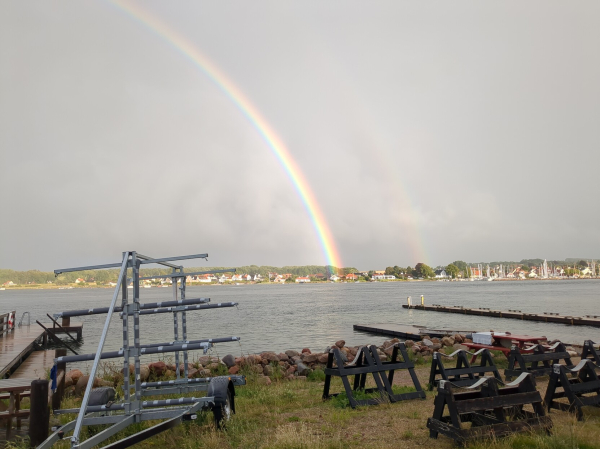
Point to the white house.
(383, 277)
(334, 278)
(302, 279)
(441, 274)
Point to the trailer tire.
(221, 388)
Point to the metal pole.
(136, 405)
(183, 328)
(176, 325)
(88, 389)
(125, 321)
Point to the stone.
(353, 350)
(228, 360)
(340, 343)
(268, 370)
(573, 354)
(75, 374)
(295, 359)
(310, 358)
(409, 343)
(415, 349)
(240, 361)
(395, 340)
(68, 381)
(204, 373)
(182, 366)
(302, 369)
(213, 366)
(305, 350)
(447, 341)
(289, 377)
(158, 368)
(435, 340)
(192, 373)
(83, 381)
(258, 369)
(389, 350)
(264, 380)
(427, 342)
(323, 358)
(270, 357)
(290, 370)
(458, 338)
(144, 373)
(291, 353)
(436, 347)
(283, 357)
(234, 369)
(254, 359)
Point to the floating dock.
(546, 317)
(406, 331)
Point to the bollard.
(39, 415)
(408, 300)
(60, 387)
(422, 300)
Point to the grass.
(292, 415)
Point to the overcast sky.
(428, 131)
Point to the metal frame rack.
(132, 409)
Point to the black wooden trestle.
(464, 373)
(538, 363)
(367, 361)
(492, 411)
(590, 352)
(582, 390)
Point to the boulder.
(310, 358)
(389, 350)
(302, 369)
(291, 353)
(340, 343)
(436, 347)
(435, 340)
(269, 357)
(204, 373)
(254, 359)
(192, 373)
(409, 343)
(447, 341)
(295, 359)
(229, 360)
(158, 368)
(415, 349)
(258, 369)
(458, 338)
(290, 370)
(283, 357)
(213, 366)
(323, 358)
(305, 350)
(353, 350)
(268, 370)
(83, 381)
(68, 381)
(75, 374)
(264, 380)
(234, 369)
(240, 360)
(427, 342)
(182, 366)
(144, 373)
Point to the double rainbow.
(278, 148)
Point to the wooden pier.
(407, 331)
(20, 356)
(546, 317)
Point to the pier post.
(39, 415)
(422, 300)
(61, 371)
(408, 300)
(66, 322)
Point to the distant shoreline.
(229, 284)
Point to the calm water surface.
(281, 317)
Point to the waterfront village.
(457, 271)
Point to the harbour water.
(281, 317)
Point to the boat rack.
(220, 391)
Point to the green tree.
(452, 270)
(424, 271)
(462, 266)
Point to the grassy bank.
(291, 415)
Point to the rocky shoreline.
(268, 366)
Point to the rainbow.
(278, 148)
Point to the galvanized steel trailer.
(132, 409)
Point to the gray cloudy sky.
(428, 131)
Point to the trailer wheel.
(221, 388)
(222, 412)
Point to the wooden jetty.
(586, 320)
(19, 346)
(406, 331)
